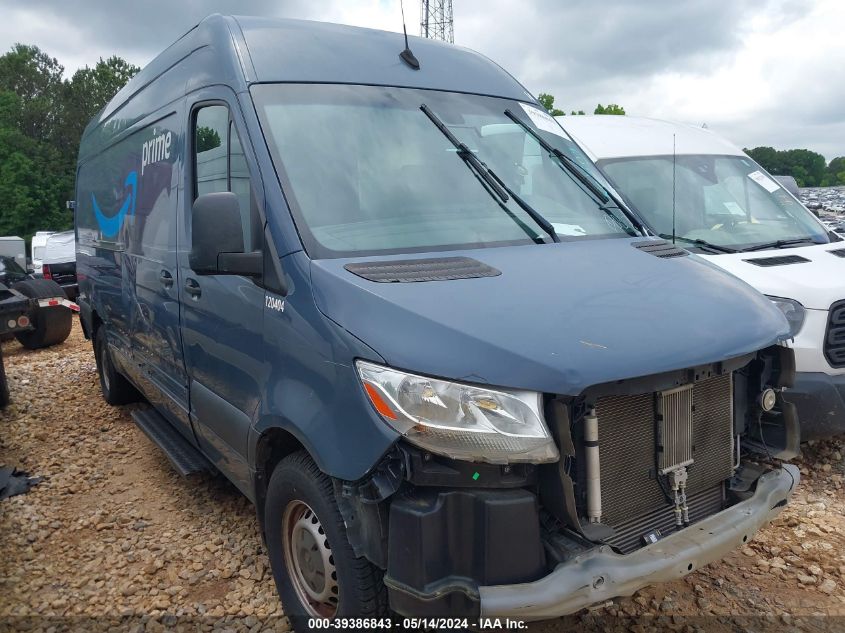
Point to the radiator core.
(630, 434)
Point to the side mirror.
(217, 245)
(29, 270)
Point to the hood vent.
(779, 260)
(413, 270)
(839, 252)
(660, 248)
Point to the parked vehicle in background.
(36, 312)
(59, 263)
(789, 183)
(14, 246)
(410, 369)
(36, 249)
(10, 271)
(726, 208)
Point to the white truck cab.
(37, 247)
(690, 185)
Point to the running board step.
(186, 459)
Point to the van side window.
(220, 165)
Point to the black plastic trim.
(834, 339)
(660, 248)
(414, 270)
(778, 260)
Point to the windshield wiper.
(700, 243)
(780, 244)
(602, 195)
(496, 184)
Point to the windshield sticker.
(568, 229)
(543, 120)
(734, 208)
(764, 181)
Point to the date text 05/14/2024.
(412, 624)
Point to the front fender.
(312, 389)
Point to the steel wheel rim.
(309, 560)
(104, 367)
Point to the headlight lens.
(460, 421)
(793, 311)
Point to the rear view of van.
(390, 300)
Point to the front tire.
(115, 387)
(316, 572)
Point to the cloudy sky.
(761, 72)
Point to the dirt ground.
(113, 536)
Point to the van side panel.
(126, 243)
(156, 337)
(107, 188)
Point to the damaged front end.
(657, 476)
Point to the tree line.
(42, 117)
(810, 169)
(548, 102)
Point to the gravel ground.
(113, 532)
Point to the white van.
(39, 243)
(688, 183)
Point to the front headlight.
(793, 311)
(460, 421)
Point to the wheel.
(115, 387)
(316, 572)
(4, 386)
(50, 325)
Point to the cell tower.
(436, 20)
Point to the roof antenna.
(674, 154)
(407, 56)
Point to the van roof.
(607, 136)
(240, 51)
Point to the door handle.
(166, 278)
(192, 287)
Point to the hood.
(816, 283)
(559, 318)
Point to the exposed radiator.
(674, 428)
(702, 504)
(630, 430)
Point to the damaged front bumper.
(601, 574)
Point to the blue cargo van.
(389, 299)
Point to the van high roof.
(239, 51)
(608, 136)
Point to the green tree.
(612, 108)
(88, 91)
(807, 167)
(548, 102)
(42, 117)
(835, 175)
(207, 138)
(36, 79)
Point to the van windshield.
(365, 171)
(726, 201)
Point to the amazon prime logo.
(155, 150)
